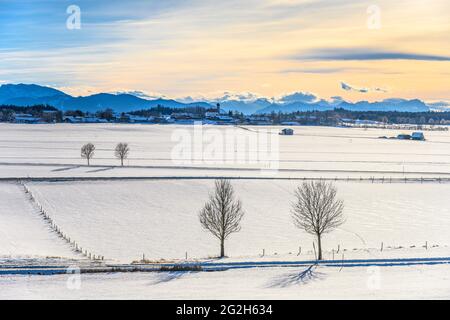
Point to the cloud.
(348, 87)
(304, 97)
(213, 97)
(315, 70)
(362, 54)
(335, 100)
(439, 105)
(249, 97)
(142, 94)
(244, 96)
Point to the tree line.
(316, 210)
(335, 116)
(323, 117)
(46, 112)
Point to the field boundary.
(382, 180)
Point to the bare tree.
(122, 150)
(316, 210)
(87, 152)
(222, 214)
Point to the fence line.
(47, 218)
(373, 179)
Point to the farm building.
(414, 136)
(418, 136)
(287, 132)
(26, 118)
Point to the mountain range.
(32, 94)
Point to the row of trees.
(121, 152)
(315, 210)
(334, 117)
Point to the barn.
(287, 132)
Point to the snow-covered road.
(406, 282)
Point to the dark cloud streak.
(363, 54)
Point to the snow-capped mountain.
(31, 94)
(26, 95)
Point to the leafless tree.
(122, 150)
(316, 209)
(222, 214)
(87, 152)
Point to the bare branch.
(316, 209)
(222, 215)
(87, 152)
(121, 152)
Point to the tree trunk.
(222, 248)
(121, 162)
(319, 247)
(88, 161)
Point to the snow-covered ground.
(54, 150)
(407, 282)
(159, 218)
(22, 231)
(123, 219)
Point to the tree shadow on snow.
(169, 276)
(100, 170)
(65, 168)
(296, 278)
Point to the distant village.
(217, 116)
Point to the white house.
(25, 118)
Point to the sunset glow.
(203, 48)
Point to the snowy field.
(122, 219)
(22, 231)
(54, 150)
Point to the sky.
(357, 50)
